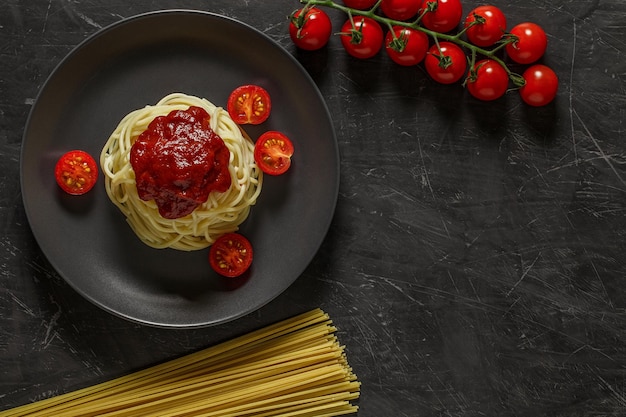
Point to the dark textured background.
(475, 265)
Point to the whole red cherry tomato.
(310, 28)
(76, 172)
(231, 255)
(249, 104)
(441, 15)
(541, 85)
(488, 80)
(400, 9)
(363, 39)
(530, 45)
(272, 152)
(360, 4)
(446, 64)
(489, 28)
(406, 46)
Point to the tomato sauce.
(178, 161)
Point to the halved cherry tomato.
(272, 152)
(231, 255)
(76, 172)
(249, 104)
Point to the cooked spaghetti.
(293, 368)
(222, 212)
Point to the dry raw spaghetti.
(293, 368)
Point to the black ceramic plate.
(134, 63)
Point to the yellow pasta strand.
(221, 213)
(294, 368)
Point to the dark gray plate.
(134, 63)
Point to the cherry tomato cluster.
(423, 31)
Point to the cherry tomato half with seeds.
(76, 172)
(400, 9)
(231, 255)
(530, 45)
(310, 28)
(249, 104)
(541, 85)
(360, 4)
(446, 64)
(364, 39)
(406, 46)
(272, 153)
(442, 15)
(489, 28)
(488, 80)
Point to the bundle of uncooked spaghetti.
(293, 368)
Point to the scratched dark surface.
(475, 265)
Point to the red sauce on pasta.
(178, 160)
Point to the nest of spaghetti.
(189, 222)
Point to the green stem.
(437, 36)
